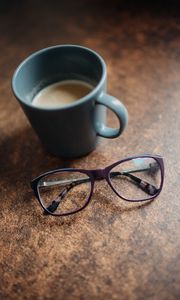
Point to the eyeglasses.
(62, 192)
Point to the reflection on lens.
(137, 179)
(64, 192)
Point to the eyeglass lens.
(64, 192)
(137, 179)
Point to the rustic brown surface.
(111, 250)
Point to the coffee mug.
(74, 129)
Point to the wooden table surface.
(113, 249)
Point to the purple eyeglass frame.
(97, 174)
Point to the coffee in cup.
(61, 93)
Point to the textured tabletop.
(113, 249)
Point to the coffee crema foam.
(61, 93)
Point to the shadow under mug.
(72, 130)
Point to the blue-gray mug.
(74, 129)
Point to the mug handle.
(120, 111)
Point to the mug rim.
(79, 101)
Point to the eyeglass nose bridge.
(99, 174)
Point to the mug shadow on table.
(23, 154)
(22, 157)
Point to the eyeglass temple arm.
(55, 203)
(152, 167)
(150, 189)
(145, 186)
